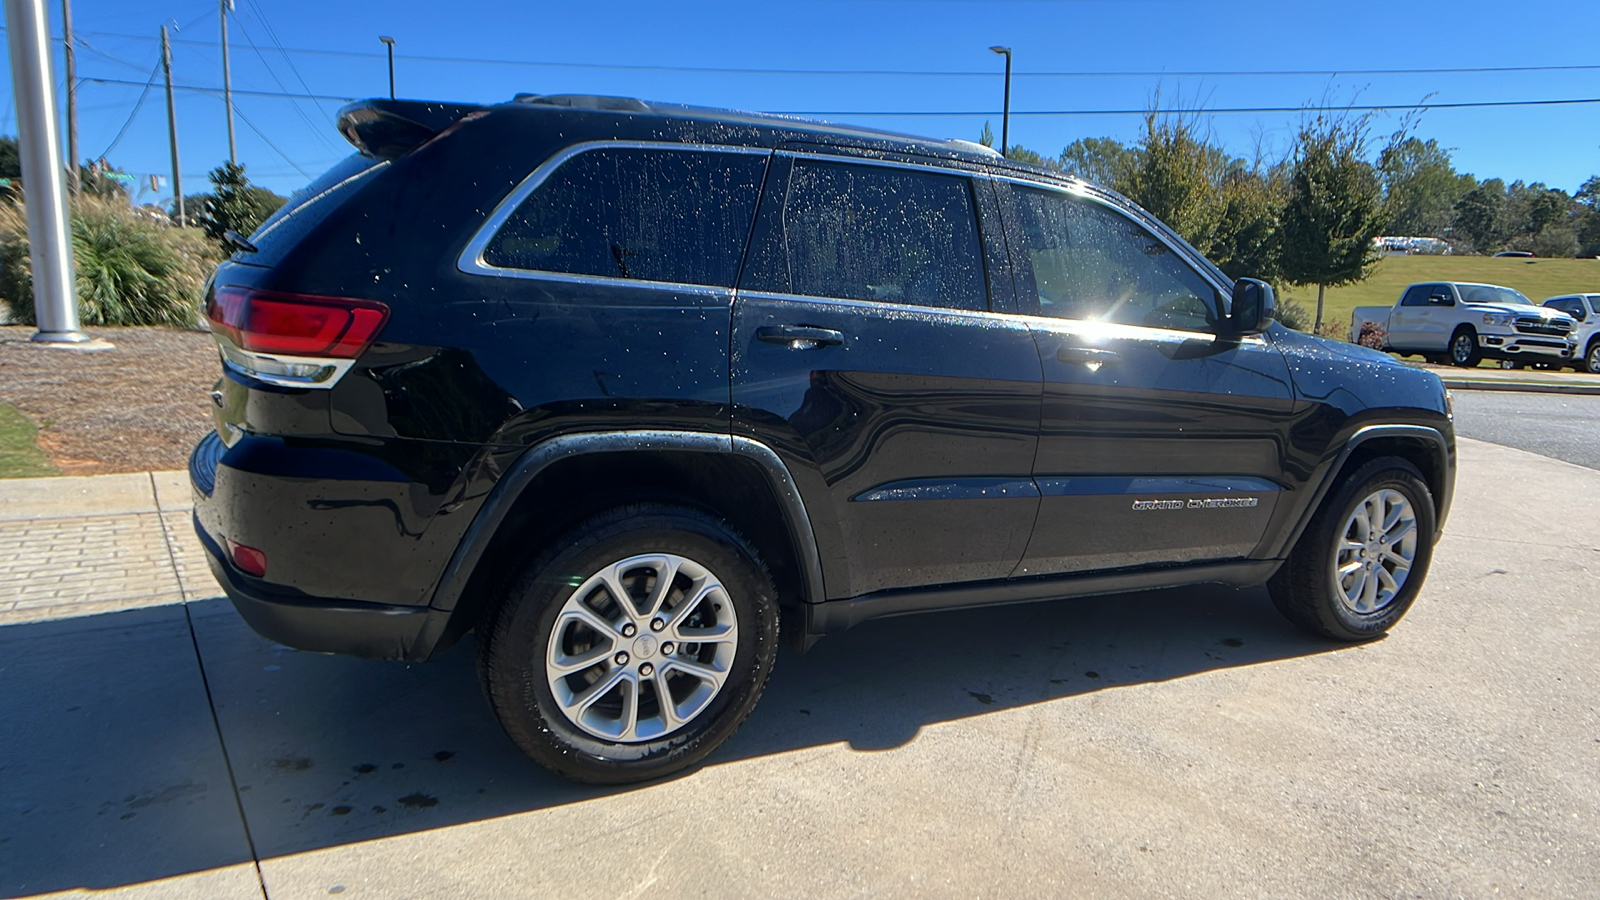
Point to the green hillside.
(1538, 278)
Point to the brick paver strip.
(80, 546)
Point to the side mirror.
(1254, 305)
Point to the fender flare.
(1444, 457)
(508, 489)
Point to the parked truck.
(1463, 323)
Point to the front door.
(1160, 441)
(866, 353)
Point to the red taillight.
(248, 559)
(295, 324)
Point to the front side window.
(651, 214)
(868, 232)
(1091, 262)
(1416, 295)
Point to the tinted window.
(1488, 293)
(1416, 295)
(862, 232)
(1091, 262)
(648, 214)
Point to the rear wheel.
(1464, 348)
(1363, 558)
(635, 647)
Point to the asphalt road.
(1560, 426)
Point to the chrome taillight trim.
(314, 372)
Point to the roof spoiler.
(386, 129)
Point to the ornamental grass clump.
(133, 268)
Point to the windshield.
(1488, 293)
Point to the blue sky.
(568, 47)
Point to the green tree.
(1421, 187)
(1246, 241)
(10, 158)
(1022, 154)
(1103, 161)
(1334, 207)
(1588, 219)
(1176, 177)
(986, 137)
(234, 204)
(1480, 216)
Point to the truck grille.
(1530, 325)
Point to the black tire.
(1591, 358)
(1464, 347)
(515, 641)
(1306, 588)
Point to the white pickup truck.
(1462, 323)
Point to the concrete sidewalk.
(1531, 380)
(1165, 744)
(74, 546)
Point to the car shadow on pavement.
(110, 773)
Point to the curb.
(1529, 387)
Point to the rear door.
(867, 351)
(1406, 319)
(1160, 441)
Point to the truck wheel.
(1363, 558)
(632, 648)
(1464, 347)
(1591, 357)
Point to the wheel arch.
(553, 486)
(1424, 447)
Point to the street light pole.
(55, 301)
(389, 42)
(1005, 115)
(227, 79)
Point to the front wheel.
(1464, 348)
(633, 648)
(1363, 558)
(1591, 357)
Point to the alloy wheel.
(641, 648)
(1375, 552)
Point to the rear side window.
(657, 214)
(867, 232)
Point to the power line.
(315, 128)
(268, 141)
(923, 73)
(155, 70)
(1375, 107)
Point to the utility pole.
(72, 99)
(55, 301)
(227, 84)
(172, 126)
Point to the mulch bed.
(138, 407)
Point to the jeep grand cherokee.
(620, 386)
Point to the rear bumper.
(350, 560)
(371, 630)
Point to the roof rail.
(585, 101)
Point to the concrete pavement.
(1179, 743)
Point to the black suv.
(620, 386)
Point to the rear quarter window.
(309, 206)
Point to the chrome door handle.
(799, 337)
(1088, 355)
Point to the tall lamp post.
(389, 42)
(1005, 116)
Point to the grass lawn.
(1538, 278)
(20, 457)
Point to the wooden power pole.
(72, 99)
(172, 126)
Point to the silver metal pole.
(55, 302)
(227, 80)
(172, 127)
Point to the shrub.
(132, 268)
(1293, 314)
